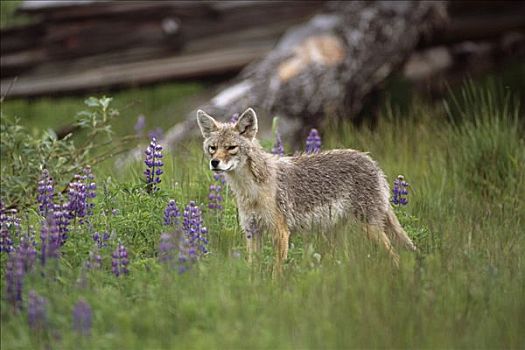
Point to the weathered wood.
(74, 38)
(328, 66)
(129, 74)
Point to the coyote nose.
(215, 163)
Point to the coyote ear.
(206, 123)
(247, 124)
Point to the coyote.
(286, 194)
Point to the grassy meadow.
(464, 158)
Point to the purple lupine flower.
(61, 215)
(313, 142)
(101, 239)
(215, 198)
(153, 165)
(156, 133)
(139, 125)
(234, 118)
(82, 317)
(9, 228)
(46, 192)
(81, 193)
(278, 147)
(166, 248)
(400, 191)
(77, 198)
(14, 276)
(188, 254)
(171, 213)
(120, 260)
(50, 240)
(27, 251)
(36, 311)
(194, 229)
(91, 189)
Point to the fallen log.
(328, 66)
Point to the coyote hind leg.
(376, 233)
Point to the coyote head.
(226, 144)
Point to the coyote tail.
(396, 233)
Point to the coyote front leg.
(253, 235)
(281, 236)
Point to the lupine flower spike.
(82, 318)
(27, 251)
(153, 165)
(14, 277)
(50, 240)
(171, 214)
(81, 193)
(120, 261)
(194, 229)
(313, 142)
(62, 217)
(9, 228)
(36, 311)
(215, 198)
(46, 192)
(400, 191)
(101, 239)
(166, 248)
(91, 189)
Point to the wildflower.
(139, 125)
(50, 240)
(77, 198)
(61, 215)
(36, 311)
(46, 192)
(166, 248)
(400, 191)
(313, 142)
(91, 189)
(188, 254)
(82, 317)
(153, 165)
(214, 197)
(9, 228)
(14, 276)
(27, 251)
(101, 239)
(171, 213)
(278, 148)
(120, 260)
(81, 192)
(194, 229)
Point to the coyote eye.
(232, 148)
(212, 149)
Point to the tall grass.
(464, 290)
